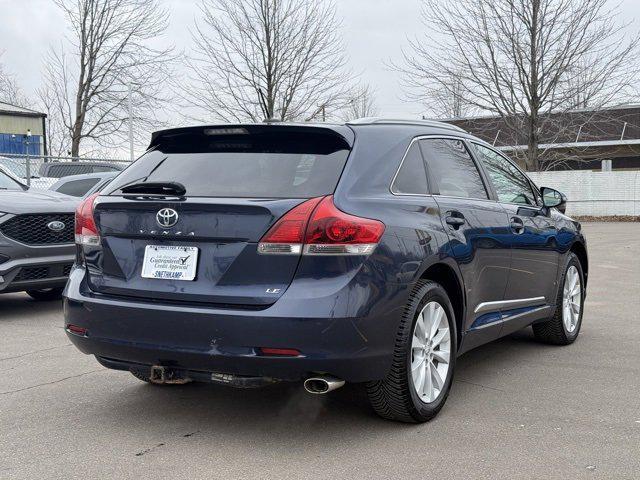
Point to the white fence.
(595, 193)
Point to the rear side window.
(77, 188)
(65, 170)
(104, 168)
(266, 165)
(452, 169)
(412, 177)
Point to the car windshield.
(16, 167)
(8, 183)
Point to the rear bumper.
(355, 348)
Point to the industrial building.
(22, 131)
(573, 140)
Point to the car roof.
(84, 176)
(408, 122)
(81, 164)
(345, 130)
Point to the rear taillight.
(287, 234)
(317, 227)
(86, 229)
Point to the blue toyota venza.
(372, 252)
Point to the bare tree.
(361, 104)
(58, 138)
(524, 59)
(446, 102)
(10, 91)
(88, 79)
(257, 59)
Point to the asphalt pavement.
(517, 409)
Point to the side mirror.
(552, 198)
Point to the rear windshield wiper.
(155, 188)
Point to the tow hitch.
(160, 375)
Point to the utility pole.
(27, 172)
(130, 122)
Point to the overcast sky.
(374, 32)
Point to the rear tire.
(46, 294)
(401, 396)
(564, 326)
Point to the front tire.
(46, 294)
(419, 381)
(564, 326)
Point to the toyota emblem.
(167, 217)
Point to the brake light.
(317, 227)
(287, 235)
(86, 232)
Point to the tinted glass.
(65, 170)
(98, 187)
(274, 165)
(77, 188)
(412, 177)
(104, 168)
(452, 169)
(510, 184)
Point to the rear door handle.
(517, 225)
(455, 219)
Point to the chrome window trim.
(466, 198)
(445, 137)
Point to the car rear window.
(267, 165)
(63, 170)
(77, 188)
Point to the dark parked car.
(374, 252)
(36, 239)
(83, 185)
(64, 169)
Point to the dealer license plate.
(170, 262)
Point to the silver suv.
(36, 239)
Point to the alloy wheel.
(430, 352)
(571, 299)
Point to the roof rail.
(403, 121)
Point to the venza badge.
(167, 217)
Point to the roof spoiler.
(237, 131)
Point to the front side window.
(511, 185)
(452, 169)
(412, 177)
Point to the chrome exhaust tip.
(322, 384)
